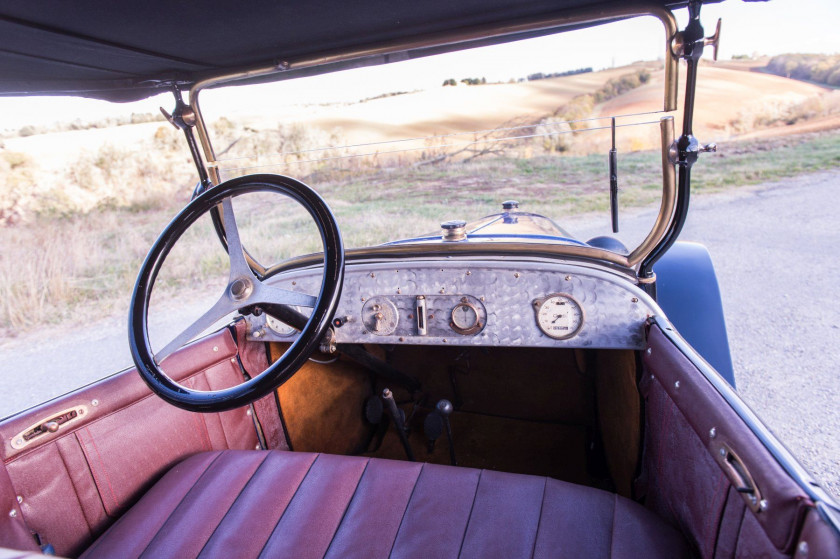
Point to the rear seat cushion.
(294, 504)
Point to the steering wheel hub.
(240, 289)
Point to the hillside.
(143, 164)
(732, 101)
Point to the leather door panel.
(688, 424)
(73, 483)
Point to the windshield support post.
(183, 118)
(688, 44)
(613, 159)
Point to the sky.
(774, 27)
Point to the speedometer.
(559, 316)
(281, 328)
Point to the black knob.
(454, 224)
(444, 407)
(510, 205)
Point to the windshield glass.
(397, 149)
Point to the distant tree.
(543, 76)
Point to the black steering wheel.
(246, 288)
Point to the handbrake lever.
(399, 420)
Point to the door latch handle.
(51, 424)
(740, 478)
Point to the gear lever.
(399, 420)
(434, 425)
(444, 408)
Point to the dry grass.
(70, 268)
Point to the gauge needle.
(556, 318)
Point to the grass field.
(56, 268)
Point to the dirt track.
(774, 247)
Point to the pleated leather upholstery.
(293, 504)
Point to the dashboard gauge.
(279, 327)
(559, 316)
(380, 316)
(465, 319)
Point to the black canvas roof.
(124, 51)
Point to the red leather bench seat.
(293, 504)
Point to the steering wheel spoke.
(239, 267)
(219, 310)
(277, 296)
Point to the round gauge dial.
(281, 328)
(559, 316)
(465, 319)
(380, 316)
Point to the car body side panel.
(687, 290)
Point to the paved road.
(775, 249)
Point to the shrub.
(557, 135)
(27, 130)
(820, 68)
(616, 86)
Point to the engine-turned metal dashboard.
(476, 302)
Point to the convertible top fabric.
(123, 51)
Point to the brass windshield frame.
(578, 17)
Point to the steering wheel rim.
(308, 340)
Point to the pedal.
(373, 410)
(433, 428)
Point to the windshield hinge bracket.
(689, 43)
(685, 151)
(183, 118)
